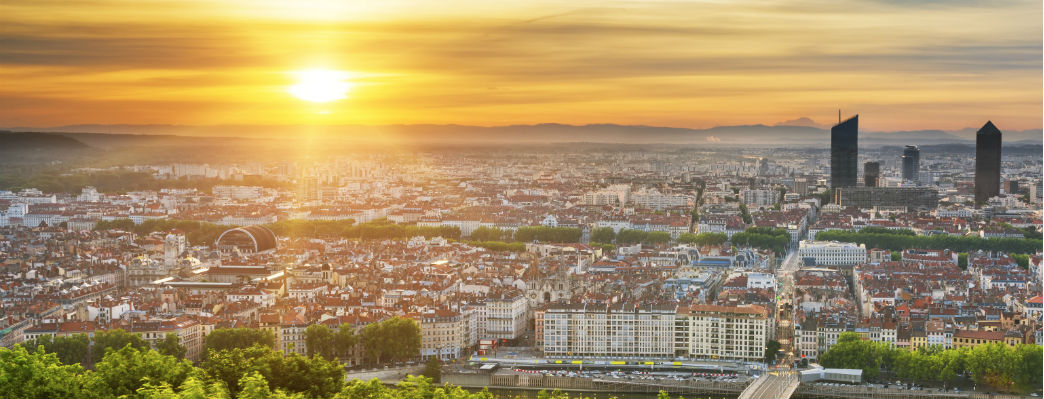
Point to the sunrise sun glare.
(320, 85)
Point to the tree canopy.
(997, 366)
(899, 240)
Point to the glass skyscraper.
(911, 163)
(987, 162)
(844, 153)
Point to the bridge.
(772, 386)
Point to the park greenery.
(703, 239)
(237, 338)
(256, 372)
(996, 366)
(632, 236)
(395, 339)
(897, 240)
(331, 344)
(237, 363)
(51, 181)
(198, 232)
(499, 246)
(774, 239)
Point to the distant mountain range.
(779, 135)
(38, 141)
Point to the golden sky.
(902, 65)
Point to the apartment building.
(622, 331)
(442, 334)
(833, 253)
(506, 315)
(608, 331)
(723, 332)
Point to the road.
(784, 306)
(772, 386)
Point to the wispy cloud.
(691, 64)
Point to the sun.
(320, 85)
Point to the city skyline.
(905, 65)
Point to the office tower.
(871, 172)
(987, 162)
(844, 153)
(1011, 187)
(911, 163)
(801, 185)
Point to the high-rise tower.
(871, 173)
(844, 153)
(911, 163)
(987, 162)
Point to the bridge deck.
(772, 386)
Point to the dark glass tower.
(844, 153)
(987, 162)
(871, 172)
(911, 162)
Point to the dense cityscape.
(724, 271)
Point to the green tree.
(962, 260)
(319, 341)
(771, 347)
(114, 340)
(344, 340)
(171, 346)
(630, 236)
(604, 235)
(687, 238)
(433, 370)
(1021, 259)
(744, 214)
(122, 372)
(230, 338)
(852, 352)
(657, 238)
(37, 375)
(896, 256)
(315, 376)
(70, 350)
(394, 339)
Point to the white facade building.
(833, 253)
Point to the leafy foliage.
(171, 346)
(548, 234)
(119, 182)
(394, 339)
(764, 238)
(703, 239)
(996, 365)
(237, 338)
(499, 246)
(484, 233)
(770, 351)
(604, 235)
(38, 374)
(899, 241)
(70, 350)
(315, 376)
(121, 372)
(196, 232)
(115, 340)
(320, 340)
(433, 369)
